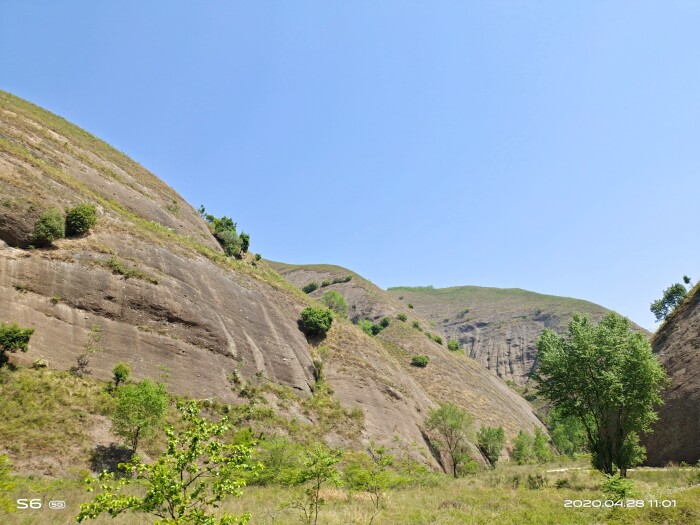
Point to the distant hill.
(676, 435)
(497, 326)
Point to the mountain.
(676, 435)
(498, 327)
(151, 286)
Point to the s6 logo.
(24, 503)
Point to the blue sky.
(551, 146)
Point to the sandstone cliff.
(676, 435)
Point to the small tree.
(245, 242)
(540, 447)
(672, 297)
(316, 321)
(452, 425)
(50, 227)
(139, 410)
(336, 302)
(371, 473)
(522, 448)
(186, 484)
(81, 219)
(319, 468)
(120, 373)
(13, 339)
(491, 442)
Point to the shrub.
(310, 287)
(316, 321)
(336, 302)
(245, 242)
(437, 339)
(81, 219)
(120, 373)
(416, 325)
(402, 317)
(522, 448)
(453, 345)
(536, 481)
(384, 322)
(339, 280)
(50, 226)
(617, 488)
(325, 283)
(491, 441)
(258, 256)
(13, 338)
(420, 360)
(369, 328)
(224, 230)
(410, 305)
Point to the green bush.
(50, 226)
(336, 302)
(325, 283)
(617, 488)
(420, 360)
(437, 339)
(316, 321)
(13, 338)
(339, 280)
(310, 287)
(369, 328)
(453, 345)
(120, 373)
(384, 322)
(490, 441)
(402, 317)
(410, 305)
(416, 325)
(258, 256)
(81, 219)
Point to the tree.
(139, 410)
(319, 467)
(316, 321)
(540, 447)
(50, 226)
(568, 434)
(672, 297)
(371, 473)
(490, 441)
(452, 425)
(336, 302)
(120, 373)
(522, 448)
(12, 339)
(245, 242)
(606, 376)
(81, 219)
(184, 486)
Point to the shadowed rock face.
(676, 435)
(185, 307)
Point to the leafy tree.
(453, 345)
(522, 448)
(491, 442)
(420, 361)
(120, 373)
(139, 410)
(672, 297)
(81, 219)
(316, 321)
(452, 425)
(12, 339)
(606, 376)
(50, 227)
(245, 242)
(184, 486)
(318, 468)
(336, 302)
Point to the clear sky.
(552, 146)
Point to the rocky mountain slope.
(151, 286)
(498, 327)
(450, 376)
(676, 435)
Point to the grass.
(118, 267)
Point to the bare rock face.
(676, 435)
(497, 327)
